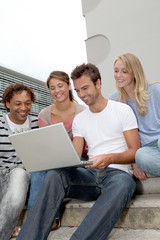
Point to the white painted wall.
(116, 27)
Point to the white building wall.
(116, 27)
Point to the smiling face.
(59, 89)
(19, 107)
(86, 90)
(122, 76)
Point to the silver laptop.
(46, 148)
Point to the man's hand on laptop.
(99, 162)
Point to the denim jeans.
(36, 181)
(148, 158)
(13, 191)
(111, 188)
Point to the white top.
(103, 131)
(17, 128)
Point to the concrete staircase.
(143, 212)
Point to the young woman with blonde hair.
(144, 99)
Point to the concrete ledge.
(65, 233)
(142, 212)
(151, 185)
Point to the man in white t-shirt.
(14, 180)
(110, 130)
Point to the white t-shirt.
(17, 128)
(103, 131)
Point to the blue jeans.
(148, 158)
(36, 181)
(13, 191)
(111, 188)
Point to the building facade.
(43, 97)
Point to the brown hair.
(88, 69)
(63, 77)
(16, 88)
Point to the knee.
(56, 177)
(124, 187)
(19, 176)
(18, 185)
(52, 176)
(123, 183)
(141, 157)
(127, 182)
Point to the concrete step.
(142, 212)
(64, 233)
(151, 185)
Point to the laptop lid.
(45, 148)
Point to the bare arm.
(132, 140)
(78, 143)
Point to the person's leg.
(35, 184)
(148, 159)
(37, 179)
(14, 196)
(72, 183)
(117, 190)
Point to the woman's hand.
(138, 173)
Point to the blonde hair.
(133, 65)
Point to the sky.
(39, 36)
